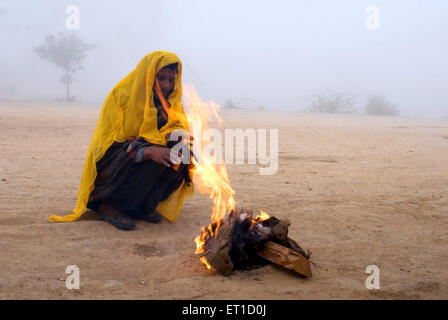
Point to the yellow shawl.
(129, 112)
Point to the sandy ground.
(358, 191)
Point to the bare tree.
(329, 101)
(378, 105)
(66, 52)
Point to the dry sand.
(358, 190)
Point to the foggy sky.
(271, 53)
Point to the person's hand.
(158, 155)
(183, 137)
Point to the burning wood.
(240, 241)
(236, 240)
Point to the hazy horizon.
(253, 52)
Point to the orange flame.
(200, 241)
(259, 218)
(204, 261)
(209, 177)
(262, 216)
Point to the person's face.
(166, 78)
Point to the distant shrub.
(229, 104)
(378, 105)
(329, 101)
(261, 108)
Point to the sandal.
(120, 220)
(153, 217)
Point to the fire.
(200, 241)
(210, 177)
(259, 218)
(204, 261)
(262, 216)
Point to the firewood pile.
(240, 241)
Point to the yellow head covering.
(129, 112)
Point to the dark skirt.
(133, 188)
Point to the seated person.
(129, 172)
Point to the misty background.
(270, 53)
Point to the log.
(285, 257)
(217, 248)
